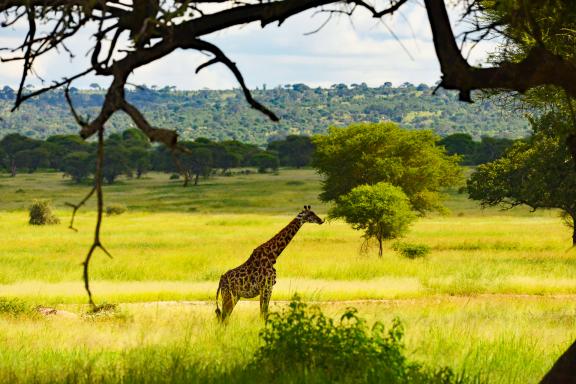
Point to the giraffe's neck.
(278, 243)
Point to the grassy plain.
(495, 298)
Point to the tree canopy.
(538, 173)
(372, 153)
(381, 210)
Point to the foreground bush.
(302, 344)
(41, 213)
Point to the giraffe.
(257, 275)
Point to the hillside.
(224, 114)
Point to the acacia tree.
(539, 173)
(153, 29)
(372, 153)
(382, 211)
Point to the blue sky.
(347, 50)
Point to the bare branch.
(220, 57)
(77, 206)
(539, 67)
(28, 55)
(81, 122)
(161, 135)
(53, 86)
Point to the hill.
(224, 114)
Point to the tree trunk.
(13, 168)
(196, 179)
(380, 235)
(573, 233)
(564, 369)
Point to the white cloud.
(361, 49)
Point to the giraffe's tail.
(218, 312)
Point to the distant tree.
(491, 148)
(197, 163)
(116, 160)
(10, 145)
(265, 161)
(293, 151)
(77, 165)
(372, 153)
(539, 173)
(95, 86)
(245, 151)
(8, 93)
(60, 146)
(162, 160)
(137, 147)
(382, 211)
(461, 144)
(32, 159)
(135, 138)
(139, 160)
(224, 159)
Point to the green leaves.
(372, 153)
(304, 344)
(539, 173)
(382, 211)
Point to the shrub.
(115, 209)
(303, 344)
(174, 176)
(410, 250)
(41, 213)
(12, 307)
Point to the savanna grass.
(496, 340)
(495, 298)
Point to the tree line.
(130, 153)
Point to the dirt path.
(436, 298)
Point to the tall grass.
(173, 256)
(498, 340)
(494, 298)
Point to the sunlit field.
(495, 298)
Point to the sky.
(347, 50)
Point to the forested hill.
(221, 115)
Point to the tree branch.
(539, 67)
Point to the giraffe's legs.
(265, 295)
(228, 303)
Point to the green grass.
(255, 193)
(495, 298)
(173, 256)
(498, 340)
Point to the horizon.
(261, 87)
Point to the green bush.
(302, 344)
(174, 176)
(12, 307)
(115, 209)
(411, 250)
(41, 213)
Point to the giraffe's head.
(307, 216)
